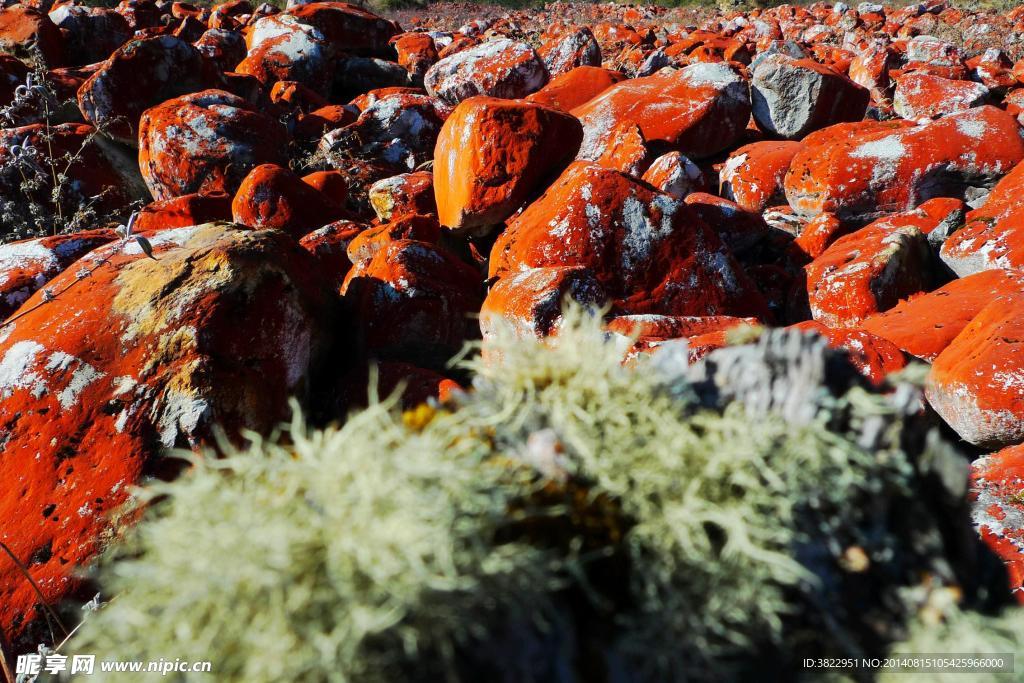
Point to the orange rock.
(702, 333)
(101, 376)
(329, 246)
(862, 171)
(529, 303)
(90, 33)
(274, 197)
(977, 383)
(404, 193)
(819, 234)
(283, 49)
(367, 243)
(675, 175)
(353, 29)
(699, 110)
(737, 228)
(26, 266)
(997, 507)
(492, 154)
(331, 184)
(624, 150)
(752, 175)
(641, 245)
(413, 299)
(183, 211)
(29, 34)
(576, 87)
(311, 127)
(869, 271)
(203, 142)
(141, 74)
(793, 97)
(295, 96)
(222, 47)
(570, 51)
(994, 234)
(416, 52)
(925, 325)
(870, 69)
(922, 96)
(498, 68)
(874, 357)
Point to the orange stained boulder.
(698, 110)
(861, 171)
(273, 197)
(576, 87)
(752, 175)
(492, 154)
(651, 252)
(997, 507)
(977, 383)
(994, 234)
(874, 357)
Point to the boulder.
(861, 171)
(492, 154)
(143, 73)
(977, 383)
(126, 357)
(675, 175)
(403, 193)
(292, 52)
(993, 236)
(923, 96)
(753, 175)
(649, 251)
(570, 51)
(30, 35)
(793, 97)
(204, 142)
(274, 197)
(997, 508)
(576, 87)
(874, 357)
(498, 68)
(925, 325)
(868, 271)
(699, 110)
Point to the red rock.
(793, 97)
(224, 48)
(675, 175)
(994, 234)
(922, 96)
(204, 142)
(140, 14)
(737, 228)
(752, 175)
(400, 130)
(91, 33)
(625, 150)
(702, 333)
(993, 69)
(28, 34)
(291, 51)
(641, 245)
(529, 303)
(870, 69)
(294, 96)
(139, 356)
(363, 101)
(274, 197)
(868, 271)
(26, 266)
(413, 299)
(329, 245)
(458, 44)
(698, 110)
(416, 52)
(367, 243)
(819, 234)
(997, 507)
(139, 75)
(576, 87)
(874, 357)
(925, 325)
(570, 51)
(333, 185)
(100, 179)
(405, 193)
(1014, 102)
(311, 127)
(492, 154)
(354, 29)
(862, 171)
(498, 68)
(183, 211)
(977, 383)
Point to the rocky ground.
(208, 211)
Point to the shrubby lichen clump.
(570, 519)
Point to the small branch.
(5, 660)
(47, 610)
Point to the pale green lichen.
(570, 519)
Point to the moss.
(570, 518)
